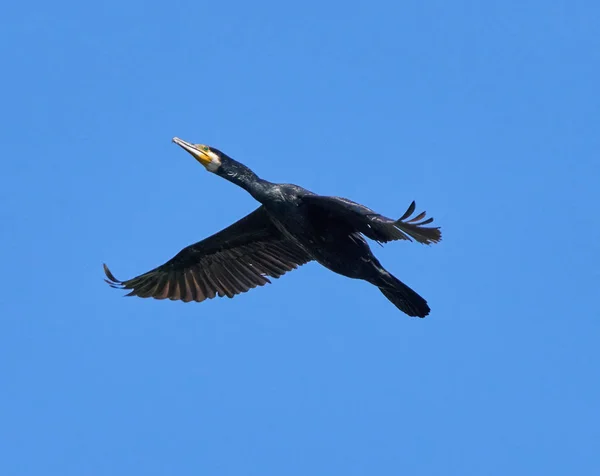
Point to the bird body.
(291, 227)
(326, 239)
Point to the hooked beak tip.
(193, 149)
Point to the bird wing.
(230, 262)
(372, 224)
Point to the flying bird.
(291, 227)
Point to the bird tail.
(404, 298)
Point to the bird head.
(208, 156)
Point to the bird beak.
(196, 151)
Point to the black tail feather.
(404, 298)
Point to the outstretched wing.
(232, 261)
(372, 224)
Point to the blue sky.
(485, 113)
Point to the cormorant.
(291, 227)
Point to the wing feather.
(233, 261)
(376, 226)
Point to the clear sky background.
(485, 113)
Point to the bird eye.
(205, 149)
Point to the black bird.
(291, 227)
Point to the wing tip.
(415, 226)
(409, 211)
(110, 278)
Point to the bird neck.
(243, 177)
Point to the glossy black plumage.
(290, 228)
(236, 259)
